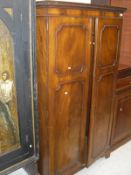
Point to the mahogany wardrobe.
(78, 49)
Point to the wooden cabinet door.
(122, 118)
(69, 73)
(107, 41)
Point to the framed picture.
(18, 116)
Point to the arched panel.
(9, 132)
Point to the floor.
(118, 164)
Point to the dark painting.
(17, 87)
(9, 128)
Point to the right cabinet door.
(106, 56)
(122, 119)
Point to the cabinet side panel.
(42, 68)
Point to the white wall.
(83, 1)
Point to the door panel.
(110, 36)
(122, 118)
(108, 40)
(69, 120)
(70, 38)
(102, 113)
(71, 47)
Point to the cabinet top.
(61, 4)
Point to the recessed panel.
(102, 113)
(68, 113)
(109, 42)
(70, 48)
(123, 119)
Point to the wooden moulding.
(53, 4)
(54, 8)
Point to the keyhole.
(121, 109)
(66, 93)
(69, 68)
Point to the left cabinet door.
(69, 62)
(17, 91)
(69, 73)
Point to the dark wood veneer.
(124, 71)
